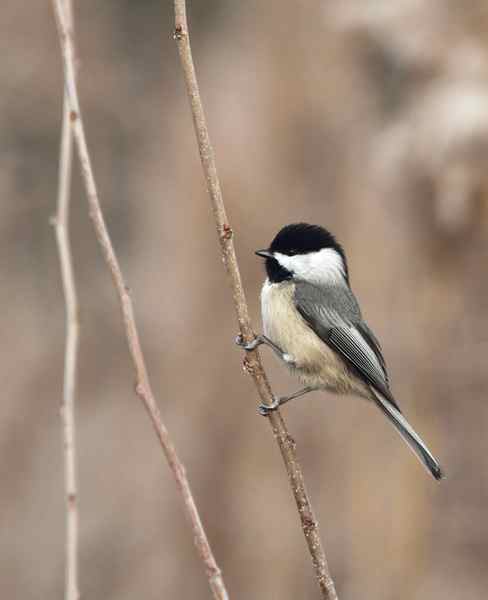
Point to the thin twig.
(142, 386)
(61, 223)
(252, 361)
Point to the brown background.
(368, 117)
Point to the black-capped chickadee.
(312, 321)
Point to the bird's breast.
(284, 325)
(315, 363)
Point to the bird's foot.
(257, 341)
(262, 339)
(266, 409)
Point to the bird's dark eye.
(291, 252)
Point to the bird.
(313, 322)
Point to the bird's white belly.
(313, 361)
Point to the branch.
(142, 387)
(252, 361)
(61, 224)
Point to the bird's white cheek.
(324, 266)
(285, 261)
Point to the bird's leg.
(265, 409)
(262, 339)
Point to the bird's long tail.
(413, 440)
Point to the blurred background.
(368, 117)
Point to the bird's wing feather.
(334, 316)
(374, 344)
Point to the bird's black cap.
(302, 238)
(298, 238)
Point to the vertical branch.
(61, 223)
(142, 385)
(252, 361)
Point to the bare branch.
(143, 388)
(61, 223)
(252, 361)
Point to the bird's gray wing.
(334, 315)
(373, 342)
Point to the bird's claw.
(266, 409)
(247, 346)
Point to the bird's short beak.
(264, 253)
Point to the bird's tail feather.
(412, 439)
